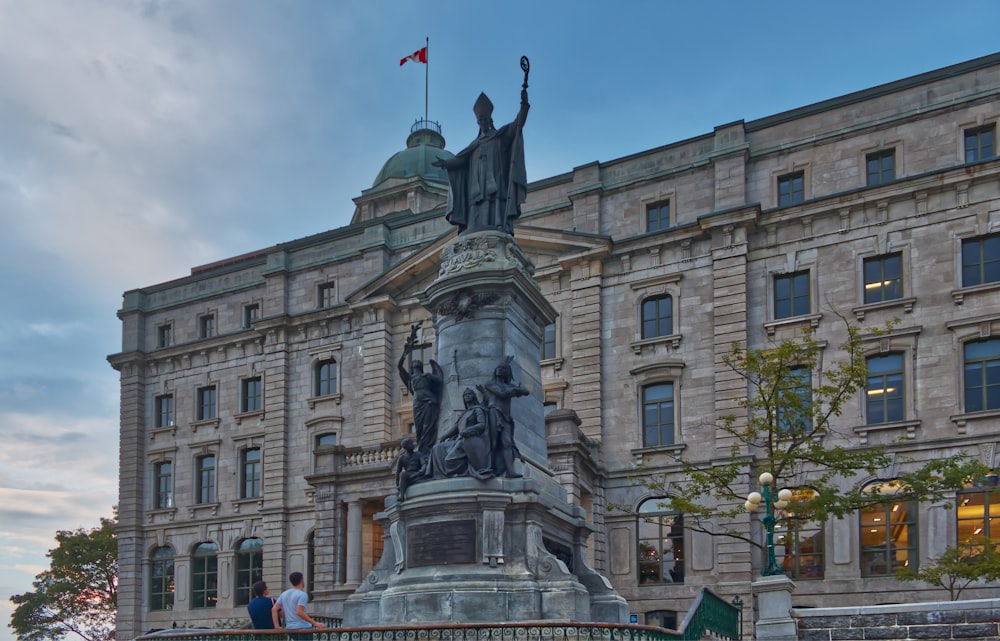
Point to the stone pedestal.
(774, 606)
(503, 549)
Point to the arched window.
(660, 535)
(799, 542)
(205, 575)
(249, 564)
(658, 316)
(325, 382)
(161, 580)
(888, 531)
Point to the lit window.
(164, 336)
(250, 473)
(980, 143)
(661, 619)
(249, 568)
(251, 395)
(981, 260)
(161, 583)
(326, 378)
(549, 341)
(661, 544)
(888, 532)
(881, 167)
(658, 316)
(658, 216)
(207, 403)
(164, 410)
(799, 542)
(326, 295)
(884, 389)
(793, 414)
(791, 295)
(883, 278)
(163, 485)
(206, 326)
(205, 479)
(205, 576)
(251, 313)
(982, 375)
(658, 415)
(978, 507)
(791, 189)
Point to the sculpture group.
(480, 443)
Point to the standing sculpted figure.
(426, 389)
(488, 181)
(498, 393)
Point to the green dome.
(424, 145)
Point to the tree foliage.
(959, 567)
(789, 427)
(77, 594)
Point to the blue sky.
(141, 138)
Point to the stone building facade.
(261, 411)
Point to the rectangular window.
(164, 410)
(549, 342)
(883, 278)
(981, 260)
(977, 509)
(888, 534)
(205, 479)
(326, 295)
(164, 336)
(251, 395)
(206, 326)
(658, 415)
(794, 406)
(207, 403)
(884, 390)
(791, 295)
(982, 375)
(791, 189)
(250, 473)
(161, 584)
(658, 216)
(881, 167)
(658, 316)
(163, 485)
(251, 313)
(980, 143)
(205, 576)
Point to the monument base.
(774, 604)
(461, 550)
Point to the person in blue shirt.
(292, 604)
(260, 607)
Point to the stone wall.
(978, 619)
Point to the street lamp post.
(771, 502)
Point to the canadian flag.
(420, 55)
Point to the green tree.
(78, 593)
(959, 566)
(789, 427)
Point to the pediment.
(547, 248)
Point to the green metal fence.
(709, 616)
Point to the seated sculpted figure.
(466, 448)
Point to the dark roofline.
(877, 91)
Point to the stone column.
(774, 607)
(354, 543)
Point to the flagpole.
(427, 73)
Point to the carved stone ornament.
(465, 303)
(467, 254)
(484, 250)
